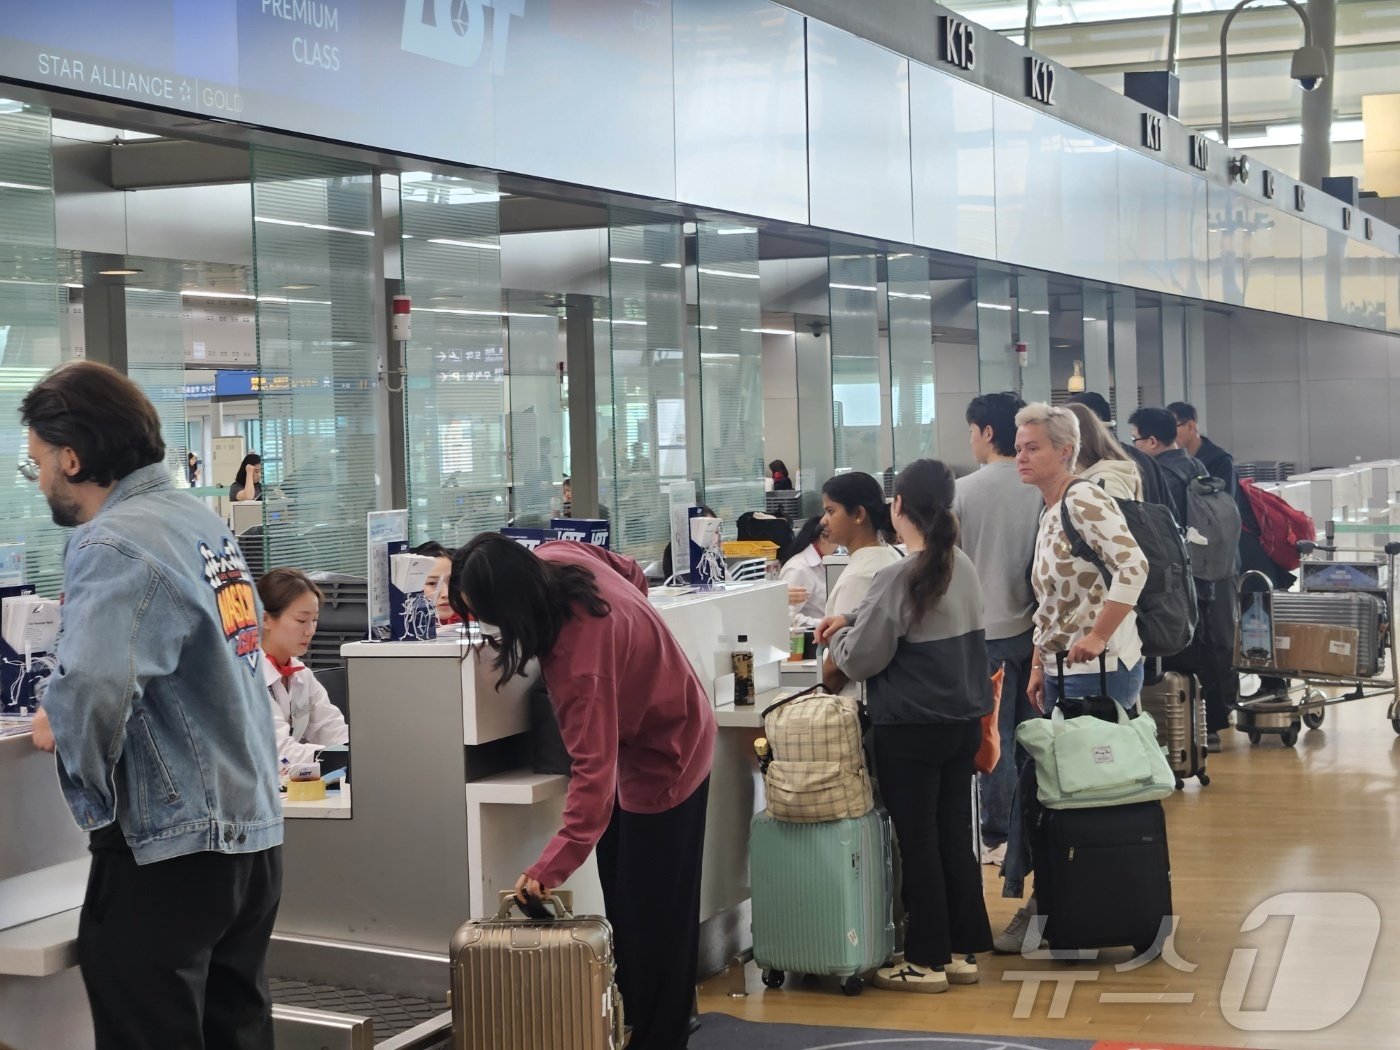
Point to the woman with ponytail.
(854, 516)
(918, 641)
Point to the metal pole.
(1315, 157)
(1174, 37)
(1030, 21)
(1225, 58)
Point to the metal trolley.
(1302, 701)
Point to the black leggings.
(926, 778)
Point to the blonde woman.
(1079, 614)
(1102, 460)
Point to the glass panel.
(954, 165)
(815, 429)
(155, 360)
(995, 313)
(858, 135)
(1124, 354)
(648, 377)
(1095, 322)
(1173, 352)
(29, 329)
(1033, 328)
(313, 254)
(860, 413)
(538, 422)
(912, 391)
(731, 367)
(454, 391)
(741, 107)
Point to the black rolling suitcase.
(1103, 876)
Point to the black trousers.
(1211, 656)
(926, 780)
(649, 866)
(173, 953)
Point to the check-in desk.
(447, 812)
(43, 874)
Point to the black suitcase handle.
(562, 901)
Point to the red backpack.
(1281, 525)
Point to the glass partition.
(647, 292)
(912, 390)
(538, 420)
(454, 396)
(155, 349)
(731, 379)
(29, 329)
(861, 414)
(314, 274)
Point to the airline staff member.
(641, 733)
(303, 716)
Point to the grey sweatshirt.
(933, 669)
(997, 519)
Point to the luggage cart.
(1303, 702)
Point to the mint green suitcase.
(821, 897)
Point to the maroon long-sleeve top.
(632, 712)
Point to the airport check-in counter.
(43, 875)
(447, 811)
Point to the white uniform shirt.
(852, 585)
(805, 569)
(303, 716)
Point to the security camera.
(1309, 67)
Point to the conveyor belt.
(393, 1014)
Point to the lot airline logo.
(455, 30)
(227, 573)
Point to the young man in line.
(1211, 653)
(997, 521)
(159, 716)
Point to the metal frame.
(1285, 713)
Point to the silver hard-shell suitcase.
(1362, 611)
(535, 984)
(1178, 707)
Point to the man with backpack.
(1215, 459)
(1207, 512)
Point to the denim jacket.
(158, 705)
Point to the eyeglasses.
(29, 469)
(1139, 440)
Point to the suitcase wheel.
(1290, 736)
(852, 986)
(1255, 736)
(1180, 783)
(773, 978)
(1204, 778)
(1395, 724)
(1313, 718)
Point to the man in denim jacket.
(159, 716)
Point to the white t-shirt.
(852, 585)
(805, 570)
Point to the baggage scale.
(1324, 582)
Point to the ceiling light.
(855, 287)
(120, 272)
(995, 306)
(312, 226)
(729, 231)
(484, 245)
(624, 259)
(296, 287)
(200, 293)
(25, 186)
(768, 331)
(728, 273)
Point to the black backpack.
(1166, 608)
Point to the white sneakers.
(962, 971)
(1012, 940)
(906, 977)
